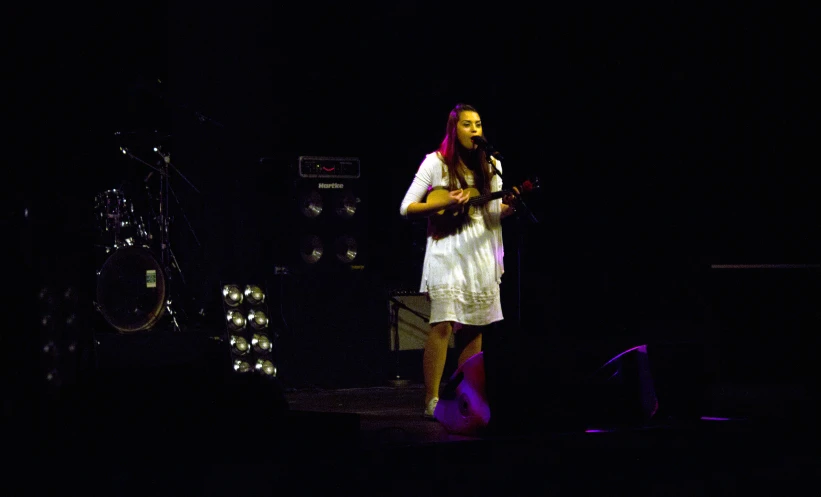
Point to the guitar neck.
(481, 199)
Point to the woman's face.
(469, 125)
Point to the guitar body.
(446, 222)
(468, 411)
(441, 193)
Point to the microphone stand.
(520, 237)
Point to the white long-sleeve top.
(461, 272)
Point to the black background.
(667, 137)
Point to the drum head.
(131, 289)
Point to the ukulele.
(447, 221)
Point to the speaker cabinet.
(409, 329)
(410, 313)
(328, 228)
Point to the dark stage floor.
(180, 434)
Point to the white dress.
(461, 273)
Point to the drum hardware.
(134, 290)
(117, 223)
(164, 218)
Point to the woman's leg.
(434, 357)
(469, 339)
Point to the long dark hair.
(451, 152)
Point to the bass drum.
(131, 289)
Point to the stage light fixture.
(261, 343)
(239, 345)
(248, 329)
(254, 294)
(231, 295)
(265, 367)
(236, 321)
(50, 349)
(54, 379)
(60, 337)
(242, 365)
(258, 319)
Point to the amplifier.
(410, 312)
(328, 167)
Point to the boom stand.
(168, 259)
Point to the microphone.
(487, 147)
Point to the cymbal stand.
(168, 259)
(166, 254)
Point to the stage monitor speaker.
(328, 217)
(530, 395)
(621, 391)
